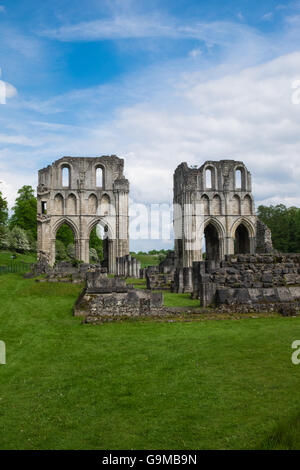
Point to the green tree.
(284, 224)
(25, 211)
(18, 240)
(65, 235)
(4, 237)
(3, 210)
(60, 251)
(96, 243)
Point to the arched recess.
(58, 204)
(104, 208)
(71, 205)
(244, 237)
(216, 205)
(236, 205)
(241, 240)
(205, 204)
(92, 204)
(213, 240)
(247, 205)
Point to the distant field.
(224, 384)
(148, 260)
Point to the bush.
(18, 240)
(94, 258)
(60, 250)
(71, 250)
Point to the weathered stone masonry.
(248, 282)
(83, 202)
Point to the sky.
(156, 82)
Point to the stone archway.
(212, 243)
(242, 240)
(56, 228)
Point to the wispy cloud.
(2, 9)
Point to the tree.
(71, 250)
(3, 210)
(65, 235)
(284, 224)
(18, 240)
(25, 211)
(93, 256)
(4, 238)
(60, 251)
(96, 243)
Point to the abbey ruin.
(82, 193)
(223, 253)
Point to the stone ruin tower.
(82, 193)
(214, 212)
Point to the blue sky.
(155, 82)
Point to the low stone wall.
(64, 271)
(248, 279)
(159, 281)
(110, 298)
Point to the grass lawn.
(147, 260)
(5, 257)
(141, 385)
(170, 299)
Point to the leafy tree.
(93, 256)
(60, 251)
(71, 250)
(285, 226)
(18, 240)
(3, 210)
(65, 235)
(4, 238)
(96, 243)
(25, 211)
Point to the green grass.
(179, 300)
(148, 260)
(286, 436)
(224, 384)
(5, 257)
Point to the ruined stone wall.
(106, 299)
(250, 280)
(84, 200)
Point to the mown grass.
(6, 257)
(147, 260)
(224, 384)
(170, 299)
(286, 436)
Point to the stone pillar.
(187, 280)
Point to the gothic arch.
(92, 204)
(70, 223)
(71, 204)
(247, 205)
(205, 204)
(59, 203)
(236, 205)
(246, 223)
